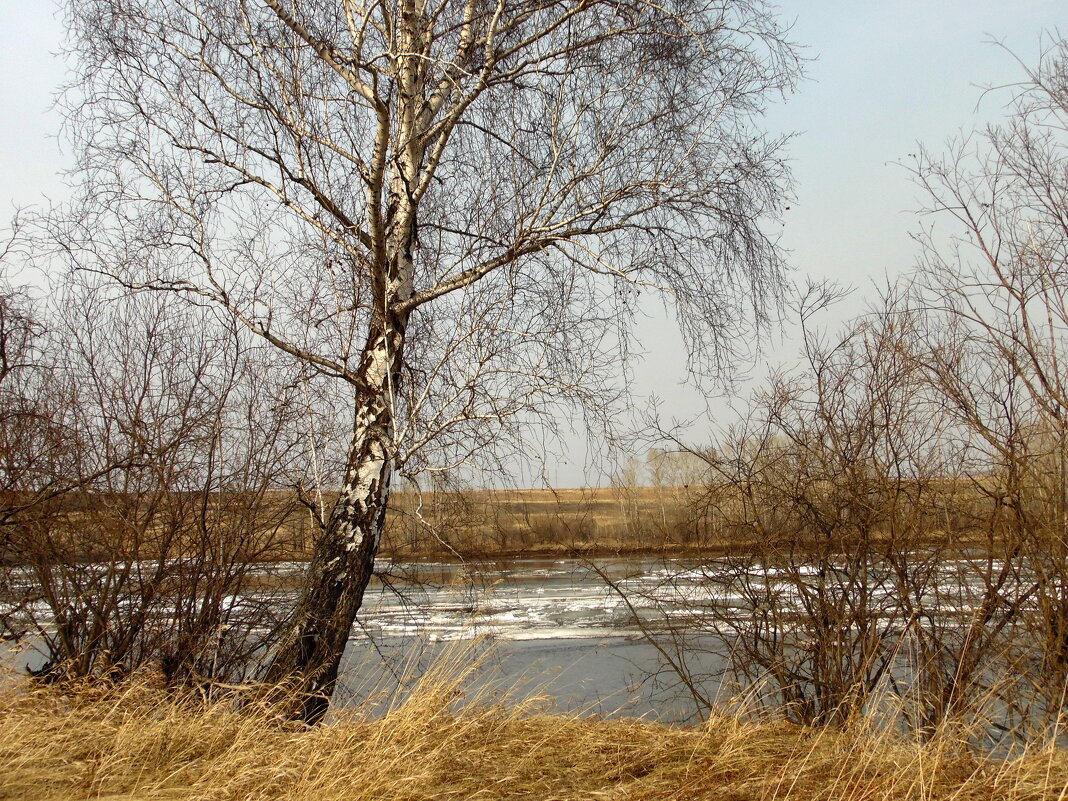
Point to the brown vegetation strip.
(142, 743)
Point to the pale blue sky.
(884, 76)
(30, 156)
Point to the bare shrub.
(994, 279)
(859, 540)
(829, 487)
(176, 431)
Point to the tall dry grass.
(139, 742)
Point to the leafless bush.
(864, 552)
(175, 496)
(994, 280)
(831, 486)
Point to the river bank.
(143, 743)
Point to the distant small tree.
(677, 477)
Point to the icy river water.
(539, 627)
(571, 632)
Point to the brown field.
(275, 527)
(529, 521)
(545, 521)
(600, 520)
(146, 744)
(469, 523)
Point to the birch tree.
(448, 208)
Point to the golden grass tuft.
(139, 742)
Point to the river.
(573, 632)
(544, 628)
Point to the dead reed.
(139, 742)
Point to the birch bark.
(343, 557)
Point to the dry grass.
(606, 520)
(529, 521)
(434, 524)
(142, 743)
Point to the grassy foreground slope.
(141, 743)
